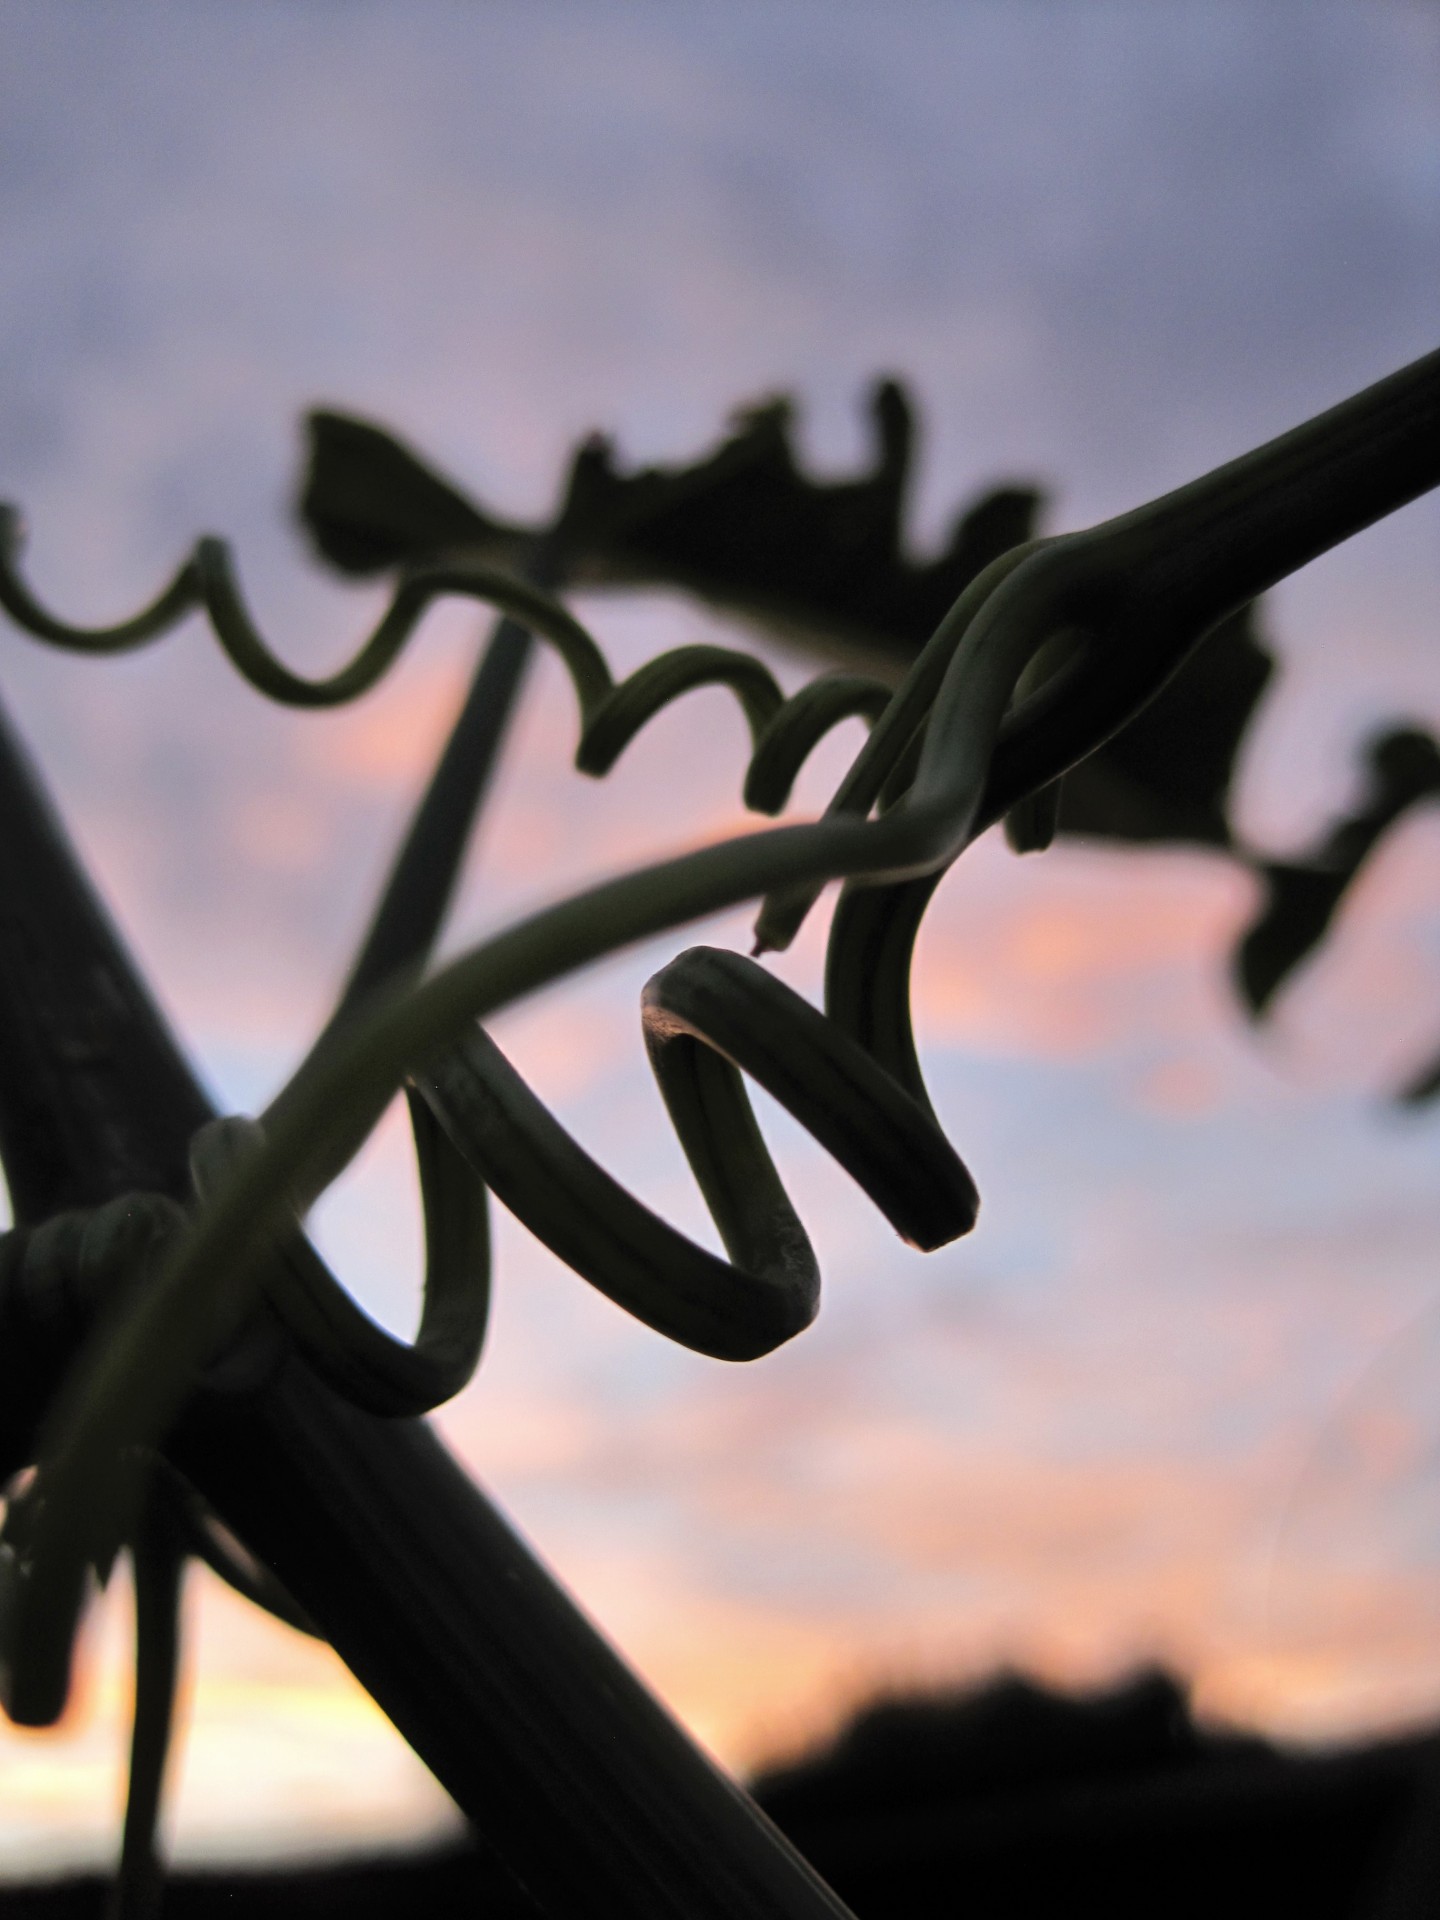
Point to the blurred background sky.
(1179, 1396)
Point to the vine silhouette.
(1050, 648)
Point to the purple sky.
(1162, 1403)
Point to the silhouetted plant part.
(821, 563)
(825, 564)
(168, 1304)
(1302, 896)
(743, 527)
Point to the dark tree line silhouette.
(1004, 1801)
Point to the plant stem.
(157, 1554)
(596, 1800)
(422, 879)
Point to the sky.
(1174, 1399)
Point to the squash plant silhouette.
(824, 566)
(179, 1371)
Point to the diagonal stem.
(157, 1554)
(590, 1792)
(422, 880)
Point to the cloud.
(1101, 947)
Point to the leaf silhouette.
(824, 563)
(1421, 1087)
(742, 527)
(819, 561)
(1302, 897)
(1167, 775)
(370, 504)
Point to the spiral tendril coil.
(708, 1017)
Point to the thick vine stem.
(592, 1795)
(1137, 595)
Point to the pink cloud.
(279, 832)
(1101, 945)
